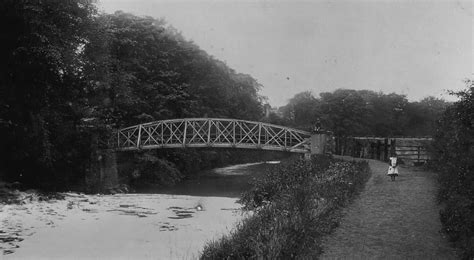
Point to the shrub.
(295, 205)
(282, 178)
(155, 171)
(453, 153)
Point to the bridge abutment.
(318, 144)
(102, 174)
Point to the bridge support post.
(318, 142)
(102, 173)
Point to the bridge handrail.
(241, 134)
(214, 118)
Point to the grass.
(295, 205)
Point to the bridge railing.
(212, 132)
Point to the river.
(228, 181)
(173, 223)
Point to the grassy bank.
(295, 205)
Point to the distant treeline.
(348, 112)
(69, 73)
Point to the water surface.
(173, 223)
(228, 181)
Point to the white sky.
(417, 48)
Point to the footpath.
(391, 220)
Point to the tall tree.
(146, 71)
(422, 116)
(302, 110)
(344, 112)
(41, 63)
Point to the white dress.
(393, 169)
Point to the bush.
(295, 205)
(281, 179)
(156, 172)
(453, 151)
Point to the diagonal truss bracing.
(212, 132)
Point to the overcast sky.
(417, 48)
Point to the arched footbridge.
(212, 132)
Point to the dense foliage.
(295, 205)
(41, 88)
(161, 168)
(143, 70)
(453, 157)
(348, 112)
(69, 76)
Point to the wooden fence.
(411, 151)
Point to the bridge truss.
(212, 132)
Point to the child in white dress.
(392, 168)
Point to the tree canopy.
(348, 112)
(69, 72)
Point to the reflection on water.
(221, 182)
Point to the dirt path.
(391, 220)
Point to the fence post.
(418, 153)
(379, 143)
(393, 145)
(385, 149)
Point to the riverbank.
(296, 204)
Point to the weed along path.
(391, 220)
